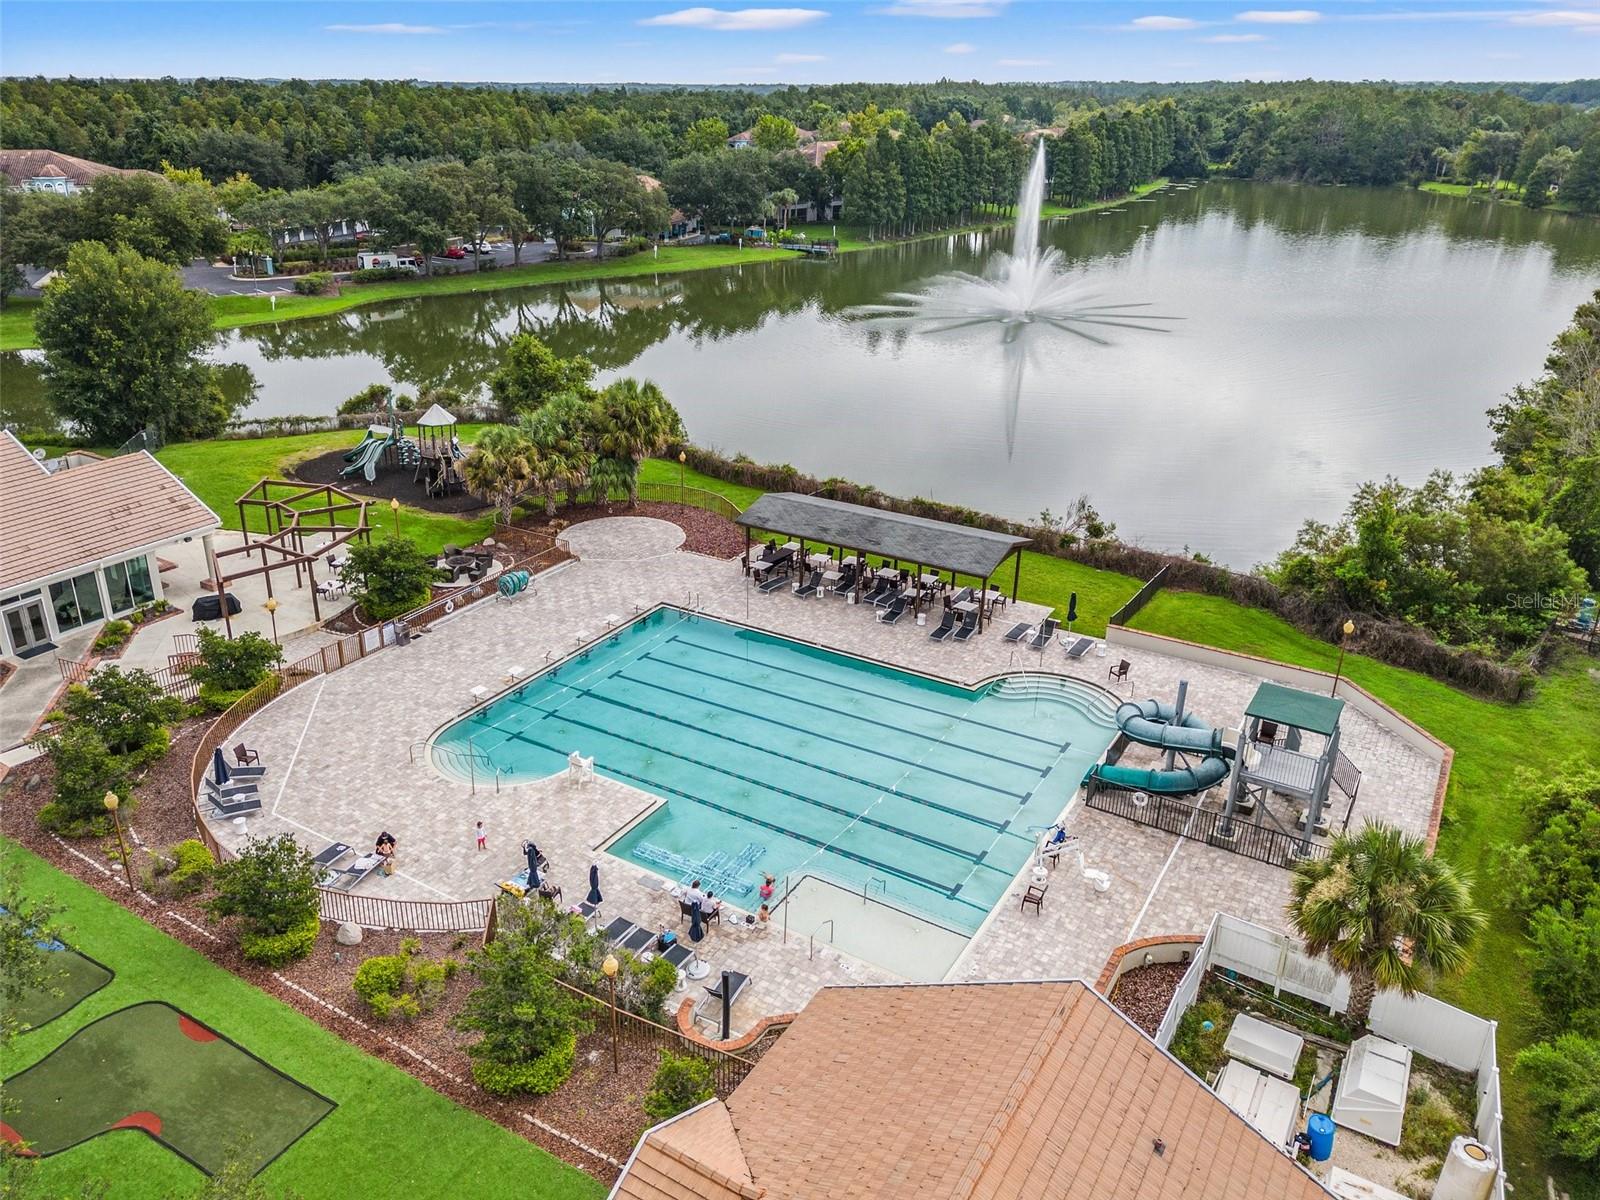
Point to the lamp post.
(1348, 628)
(112, 804)
(394, 507)
(683, 457)
(272, 611)
(609, 970)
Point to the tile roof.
(88, 513)
(984, 1091)
(695, 1156)
(36, 164)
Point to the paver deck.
(347, 758)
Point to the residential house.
(49, 171)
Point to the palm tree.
(635, 421)
(1384, 911)
(562, 433)
(501, 467)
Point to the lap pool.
(896, 803)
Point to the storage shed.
(1372, 1088)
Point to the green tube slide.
(1182, 781)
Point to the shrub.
(1559, 863)
(315, 284)
(655, 981)
(272, 888)
(280, 949)
(128, 709)
(681, 1082)
(1431, 1123)
(1565, 1079)
(113, 635)
(389, 576)
(382, 274)
(220, 699)
(1564, 968)
(1195, 1046)
(85, 770)
(233, 664)
(372, 398)
(192, 869)
(149, 612)
(397, 985)
(540, 1076)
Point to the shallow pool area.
(779, 758)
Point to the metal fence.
(712, 502)
(1139, 599)
(1259, 842)
(415, 916)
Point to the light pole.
(394, 507)
(683, 457)
(1348, 628)
(272, 611)
(112, 804)
(609, 970)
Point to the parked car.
(479, 248)
(455, 252)
(722, 239)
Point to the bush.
(128, 709)
(220, 699)
(389, 576)
(149, 612)
(192, 869)
(540, 1076)
(1195, 1046)
(316, 283)
(382, 274)
(1564, 972)
(1565, 1079)
(1431, 1123)
(655, 981)
(681, 1082)
(85, 770)
(370, 399)
(113, 635)
(1559, 864)
(233, 664)
(280, 949)
(397, 985)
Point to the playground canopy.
(435, 417)
(1292, 707)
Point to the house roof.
(695, 1154)
(985, 1091)
(960, 548)
(1301, 710)
(815, 152)
(37, 164)
(50, 523)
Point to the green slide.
(1182, 781)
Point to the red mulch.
(596, 1105)
(704, 532)
(1144, 993)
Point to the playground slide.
(368, 451)
(1150, 723)
(1181, 781)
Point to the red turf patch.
(146, 1121)
(15, 1138)
(195, 1031)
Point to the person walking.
(482, 836)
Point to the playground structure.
(382, 442)
(438, 452)
(291, 516)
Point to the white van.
(366, 260)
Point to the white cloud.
(1280, 16)
(960, 48)
(946, 10)
(738, 20)
(384, 27)
(798, 58)
(1023, 62)
(1233, 39)
(749, 72)
(1162, 24)
(1582, 22)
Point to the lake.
(1326, 336)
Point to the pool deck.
(337, 751)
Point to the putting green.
(75, 976)
(150, 1067)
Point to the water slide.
(1157, 724)
(368, 452)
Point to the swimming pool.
(775, 757)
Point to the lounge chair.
(894, 612)
(1046, 632)
(879, 588)
(811, 586)
(618, 929)
(946, 626)
(345, 878)
(709, 1009)
(231, 790)
(779, 578)
(845, 582)
(1080, 647)
(329, 855)
(968, 627)
(235, 806)
(1018, 631)
(638, 941)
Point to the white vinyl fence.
(1429, 1026)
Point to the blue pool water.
(779, 758)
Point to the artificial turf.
(149, 1068)
(74, 977)
(389, 1135)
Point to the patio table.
(790, 546)
(848, 561)
(965, 606)
(888, 573)
(931, 580)
(816, 560)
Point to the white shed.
(1264, 1045)
(1372, 1088)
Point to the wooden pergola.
(978, 554)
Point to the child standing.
(482, 835)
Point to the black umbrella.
(219, 768)
(534, 856)
(594, 883)
(1072, 609)
(697, 931)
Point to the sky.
(804, 41)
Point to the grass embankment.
(1507, 193)
(1492, 742)
(390, 1134)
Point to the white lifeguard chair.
(580, 770)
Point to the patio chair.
(1046, 632)
(345, 879)
(946, 626)
(329, 855)
(235, 806)
(1080, 647)
(617, 930)
(1035, 896)
(245, 756)
(1018, 631)
(845, 582)
(894, 612)
(968, 627)
(778, 579)
(709, 1009)
(1119, 673)
(1267, 733)
(811, 586)
(234, 789)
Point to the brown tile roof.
(984, 1091)
(693, 1157)
(51, 523)
(34, 164)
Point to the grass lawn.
(16, 323)
(1492, 742)
(390, 1134)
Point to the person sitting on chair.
(711, 909)
(384, 849)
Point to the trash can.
(1320, 1130)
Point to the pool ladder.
(471, 756)
(812, 952)
(866, 888)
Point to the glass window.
(76, 602)
(129, 584)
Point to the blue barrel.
(1320, 1130)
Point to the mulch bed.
(1144, 993)
(596, 1105)
(704, 532)
(392, 483)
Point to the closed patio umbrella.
(697, 931)
(219, 767)
(594, 883)
(532, 851)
